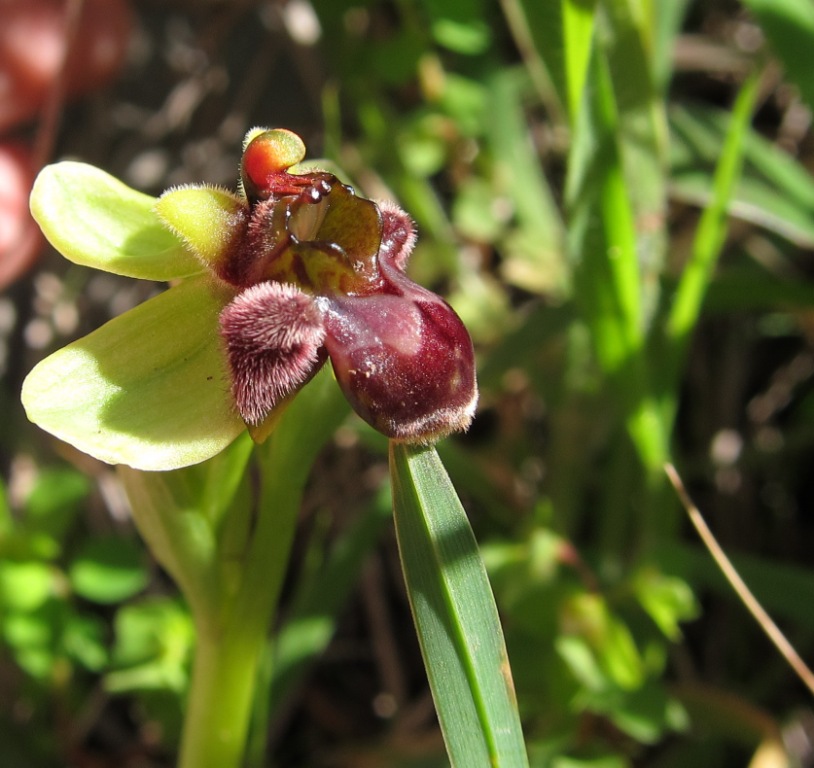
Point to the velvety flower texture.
(301, 271)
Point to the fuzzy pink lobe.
(273, 333)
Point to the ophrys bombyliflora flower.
(293, 270)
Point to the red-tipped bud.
(267, 156)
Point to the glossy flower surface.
(290, 272)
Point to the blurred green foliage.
(55, 576)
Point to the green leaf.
(55, 501)
(30, 636)
(95, 220)
(153, 645)
(789, 25)
(645, 714)
(108, 569)
(149, 389)
(466, 37)
(712, 228)
(83, 639)
(459, 26)
(605, 263)
(604, 761)
(603, 245)
(219, 480)
(519, 177)
(774, 191)
(578, 29)
(455, 614)
(25, 586)
(588, 617)
(178, 533)
(668, 600)
(581, 660)
(668, 19)
(556, 39)
(642, 135)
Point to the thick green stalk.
(220, 698)
(228, 653)
(225, 675)
(227, 657)
(196, 524)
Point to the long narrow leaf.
(775, 190)
(641, 134)
(789, 26)
(578, 29)
(713, 226)
(605, 262)
(537, 31)
(455, 615)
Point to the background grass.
(616, 198)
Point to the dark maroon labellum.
(404, 365)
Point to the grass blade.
(712, 228)
(775, 190)
(578, 30)
(605, 264)
(789, 25)
(607, 280)
(455, 615)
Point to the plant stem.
(231, 639)
(220, 699)
(227, 657)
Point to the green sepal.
(209, 220)
(95, 220)
(148, 389)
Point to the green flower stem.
(198, 524)
(227, 658)
(231, 643)
(220, 698)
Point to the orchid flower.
(268, 284)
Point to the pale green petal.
(209, 220)
(149, 389)
(95, 220)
